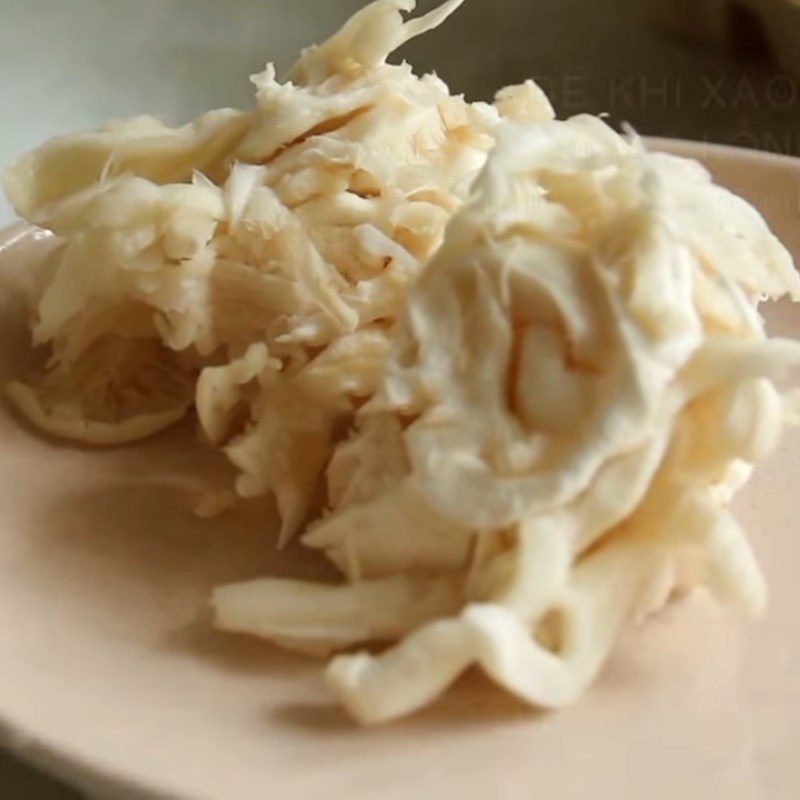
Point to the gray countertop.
(590, 57)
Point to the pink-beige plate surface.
(111, 676)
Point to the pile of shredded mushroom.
(543, 340)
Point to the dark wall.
(604, 56)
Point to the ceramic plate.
(111, 677)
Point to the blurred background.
(709, 70)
